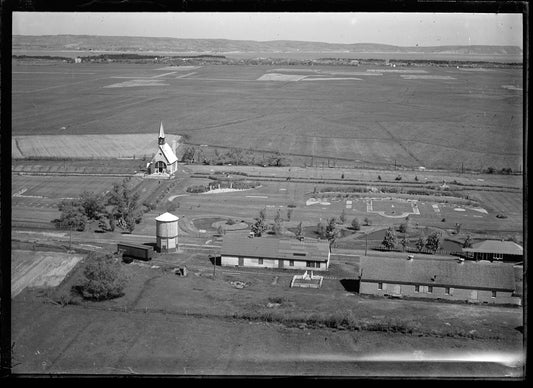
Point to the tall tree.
(331, 231)
(276, 228)
(342, 217)
(93, 205)
(389, 240)
(433, 242)
(125, 208)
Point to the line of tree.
(120, 207)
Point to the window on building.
(259, 261)
(494, 294)
(312, 264)
(430, 289)
(498, 256)
(417, 288)
(291, 263)
(299, 254)
(380, 286)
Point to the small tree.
(433, 242)
(468, 242)
(300, 231)
(355, 224)
(321, 229)
(457, 228)
(389, 240)
(331, 231)
(259, 227)
(403, 243)
(420, 243)
(220, 230)
(276, 228)
(403, 227)
(102, 279)
(342, 217)
(262, 213)
(367, 221)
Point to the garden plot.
(443, 77)
(137, 83)
(281, 77)
(39, 269)
(392, 208)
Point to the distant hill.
(128, 44)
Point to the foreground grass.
(345, 320)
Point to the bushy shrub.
(102, 278)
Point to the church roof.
(161, 130)
(169, 155)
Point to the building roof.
(447, 273)
(274, 248)
(496, 246)
(169, 155)
(167, 217)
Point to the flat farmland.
(39, 269)
(88, 146)
(59, 187)
(447, 118)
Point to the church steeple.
(161, 135)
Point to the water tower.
(167, 233)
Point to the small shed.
(167, 233)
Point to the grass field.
(383, 119)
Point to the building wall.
(166, 244)
(268, 263)
(456, 294)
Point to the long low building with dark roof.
(264, 252)
(496, 250)
(441, 279)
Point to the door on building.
(473, 295)
(160, 167)
(280, 263)
(396, 290)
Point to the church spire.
(161, 135)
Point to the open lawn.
(381, 120)
(188, 325)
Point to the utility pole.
(366, 243)
(70, 240)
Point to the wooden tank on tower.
(167, 233)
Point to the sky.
(401, 29)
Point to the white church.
(164, 162)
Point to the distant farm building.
(164, 162)
(274, 253)
(167, 233)
(496, 250)
(460, 280)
